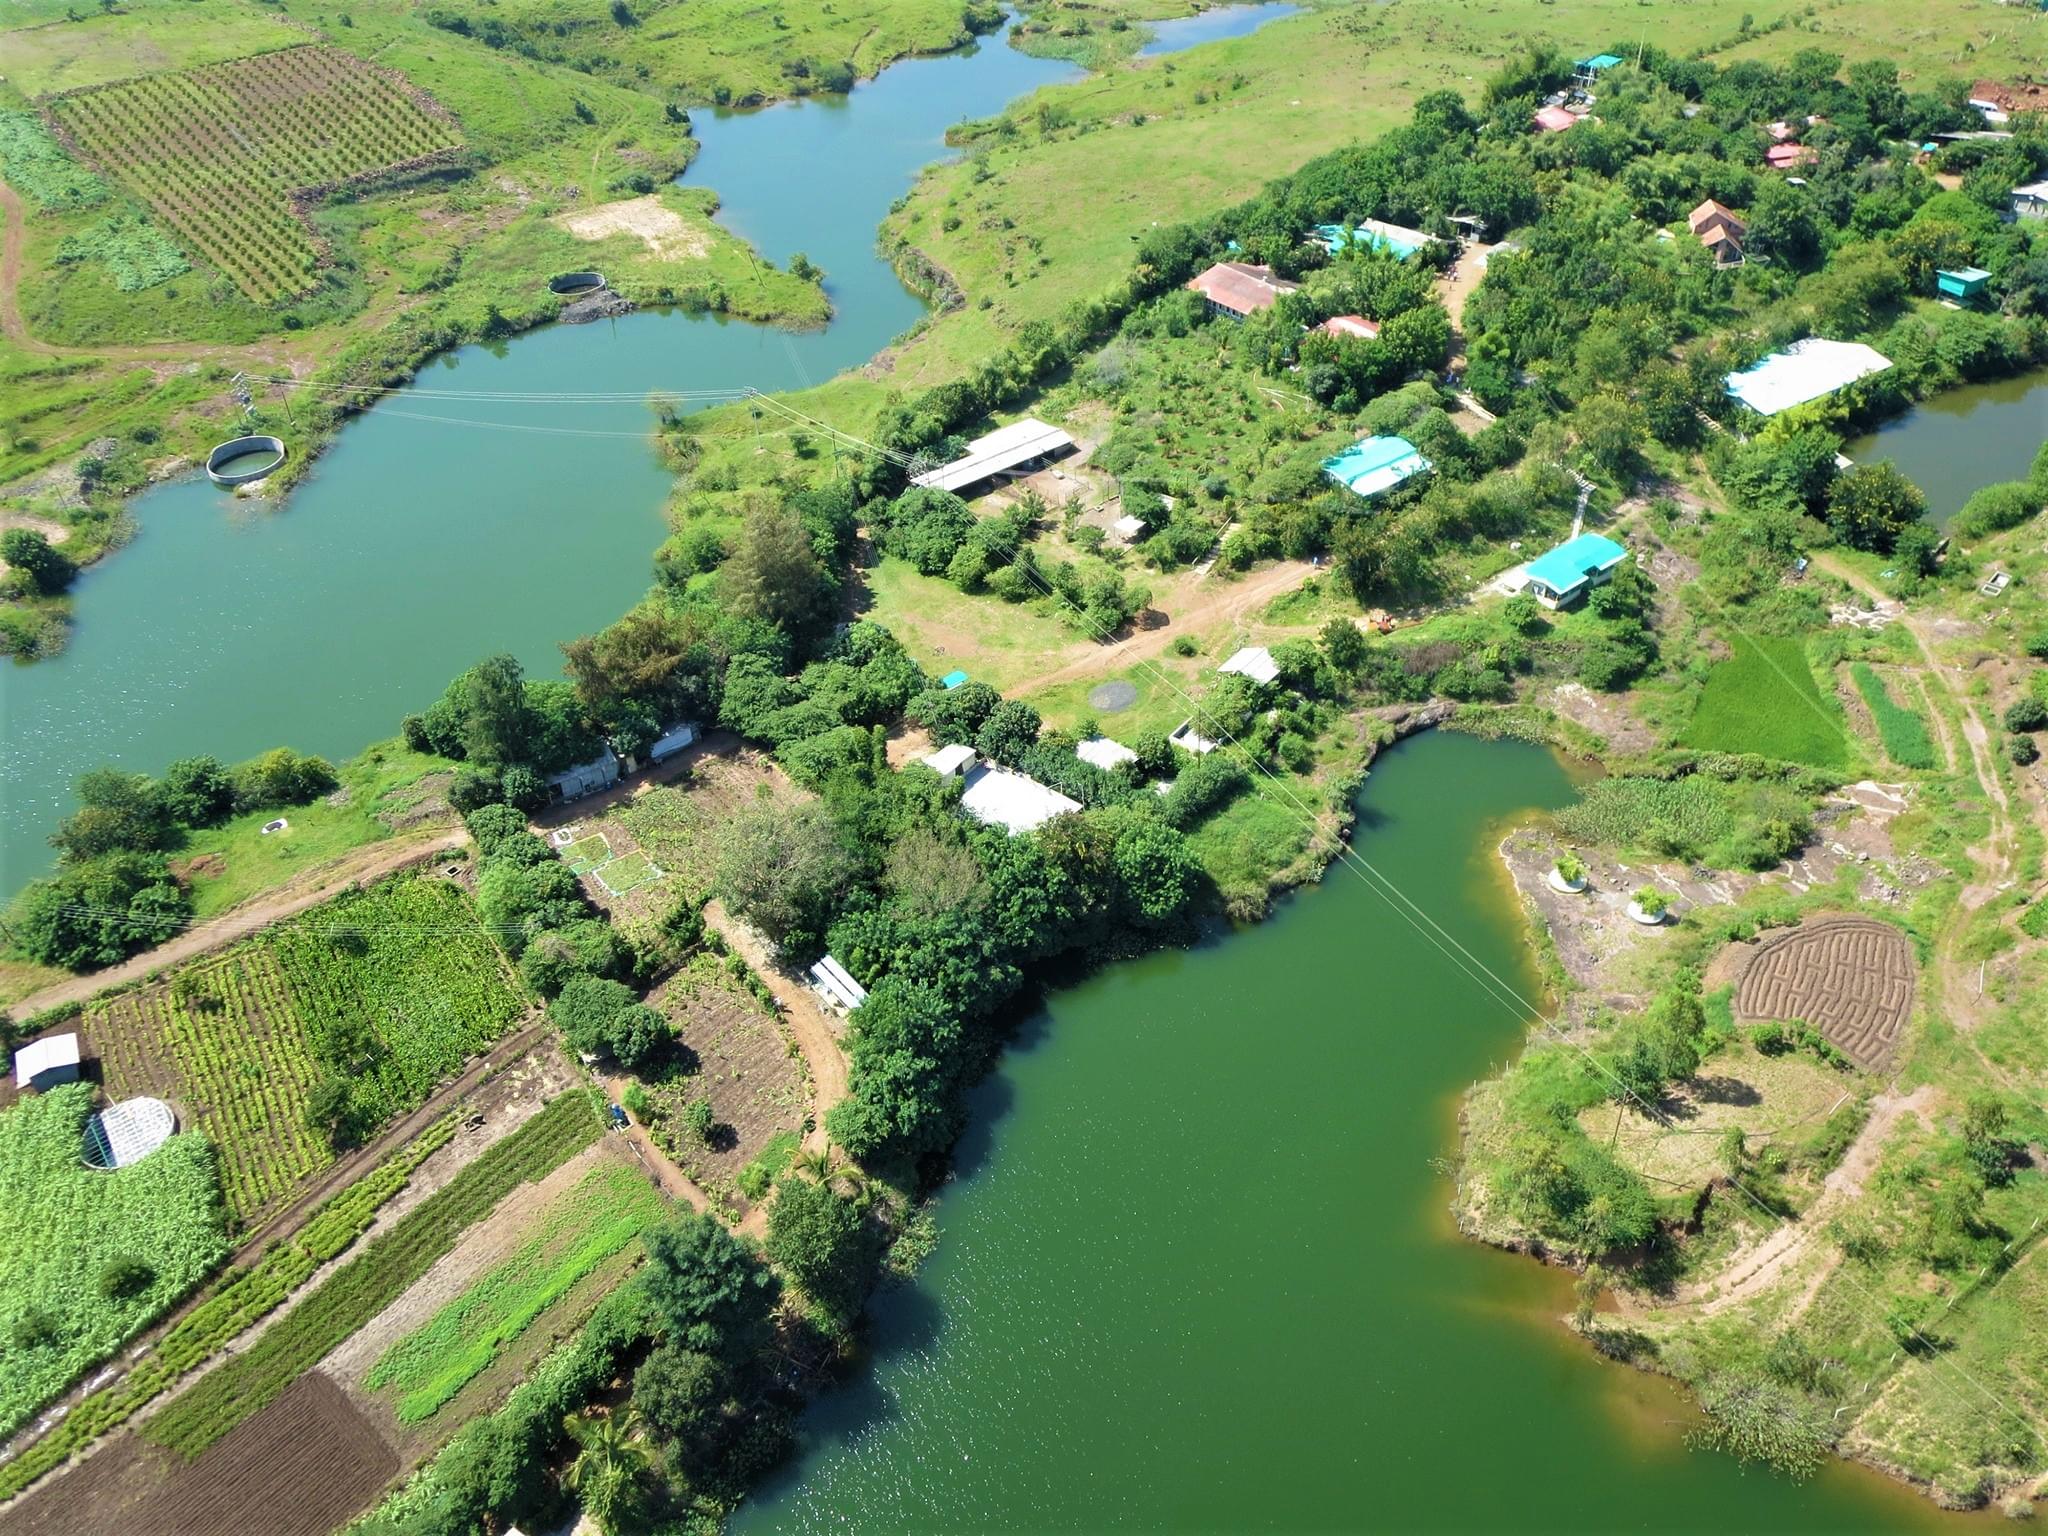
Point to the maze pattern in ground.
(1849, 977)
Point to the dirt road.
(1227, 601)
(801, 1011)
(306, 890)
(1756, 1270)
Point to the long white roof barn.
(1007, 448)
(1804, 371)
(1011, 800)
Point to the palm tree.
(609, 1464)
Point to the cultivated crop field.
(61, 1309)
(580, 1230)
(220, 153)
(388, 990)
(1763, 699)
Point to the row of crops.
(384, 992)
(91, 1257)
(243, 1297)
(217, 152)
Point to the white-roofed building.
(47, 1062)
(952, 762)
(1804, 371)
(1012, 801)
(1129, 528)
(601, 772)
(1254, 662)
(830, 980)
(670, 742)
(1022, 446)
(1103, 753)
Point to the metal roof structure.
(125, 1133)
(48, 1061)
(671, 741)
(1103, 752)
(1574, 563)
(1254, 662)
(1375, 464)
(996, 453)
(838, 987)
(949, 761)
(1012, 801)
(1804, 371)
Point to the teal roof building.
(1375, 464)
(1573, 568)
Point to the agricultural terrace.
(313, 1034)
(92, 1256)
(735, 1059)
(223, 154)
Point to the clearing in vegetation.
(582, 1228)
(382, 992)
(746, 1069)
(224, 154)
(91, 1256)
(377, 1276)
(1763, 699)
(1902, 731)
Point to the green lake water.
(1197, 1271)
(438, 529)
(1964, 440)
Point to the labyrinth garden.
(221, 154)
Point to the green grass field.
(1763, 699)
(628, 873)
(139, 39)
(1902, 730)
(586, 853)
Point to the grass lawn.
(1241, 845)
(1763, 699)
(139, 39)
(995, 642)
(236, 860)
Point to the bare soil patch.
(1849, 977)
(749, 1067)
(303, 1466)
(665, 233)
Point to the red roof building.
(1355, 326)
(1554, 119)
(1240, 288)
(1783, 157)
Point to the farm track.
(307, 890)
(815, 1037)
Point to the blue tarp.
(953, 679)
(1375, 465)
(1600, 61)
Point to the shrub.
(2022, 749)
(124, 1276)
(1652, 902)
(2026, 714)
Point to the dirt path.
(1754, 1271)
(1230, 602)
(307, 889)
(801, 1011)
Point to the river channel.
(1963, 440)
(1197, 1272)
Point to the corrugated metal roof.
(1254, 662)
(1005, 448)
(1568, 565)
(1012, 800)
(1804, 371)
(1103, 752)
(52, 1053)
(1375, 464)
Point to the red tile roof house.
(1783, 157)
(1240, 288)
(1350, 325)
(1720, 231)
(1555, 119)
